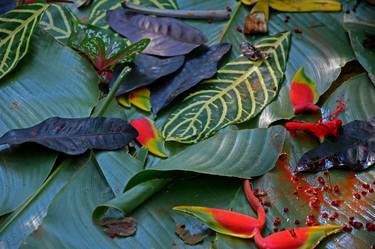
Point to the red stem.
(255, 203)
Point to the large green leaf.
(22, 171)
(240, 90)
(16, 29)
(57, 21)
(155, 221)
(27, 218)
(361, 26)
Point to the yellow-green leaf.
(249, 2)
(240, 90)
(16, 28)
(262, 6)
(141, 98)
(305, 5)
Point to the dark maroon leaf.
(146, 69)
(354, 149)
(196, 68)
(75, 135)
(169, 36)
(6, 5)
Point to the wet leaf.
(16, 27)
(146, 70)
(354, 149)
(196, 68)
(119, 228)
(303, 93)
(149, 136)
(169, 37)
(75, 136)
(239, 91)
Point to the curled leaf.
(303, 93)
(146, 70)
(75, 135)
(149, 136)
(354, 149)
(223, 221)
(141, 98)
(296, 238)
(196, 68)
(169, 37)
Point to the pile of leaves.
(114, 113)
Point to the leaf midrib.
(25, 23)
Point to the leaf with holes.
(169, 36)
(75, 136)
(16, 28)
(99, 9)
(57, 21)
(240, 90)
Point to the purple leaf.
(169, 36)
(75, 136)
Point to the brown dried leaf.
(187, 237)
(120, 228)
(255, 23)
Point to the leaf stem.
(186, 14)
(103, 107)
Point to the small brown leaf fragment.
(255, 23)
(119, 228)
(187, 237)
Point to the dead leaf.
(255, 23)
(187, 237)
(120, 228)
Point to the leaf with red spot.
(149, 136)
(303, 93)
(75, 136)
(297, 238)
(141, 98)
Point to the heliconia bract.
(297, 238)
(320, 130)
(224, 221)
(141, 98)
(303, 93)
(149, 136)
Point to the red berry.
(370, 227)
(335, 203)
(267, 203)
(325, 215)
(336, 189)
(297, 222)
(371, 190)
(286, 210)
(321, 180)
(275, 229)
(357, 224)
(277, 221)
(366, 185)
(357, 196)
(347, 228)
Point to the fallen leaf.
(354, 149)
(256, 22)
(120, 228)
(187, 237)
(196, 68)
(146, 69)
(149, 136)
(169, 36)
(75, 136)
(141, 98)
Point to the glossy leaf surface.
(146, 70)
(169, 37)
(239, 91)
(75, 136)
(196, 68)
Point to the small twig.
(103, 107)
(186, 14)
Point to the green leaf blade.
(240, 90)
(16, 28)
